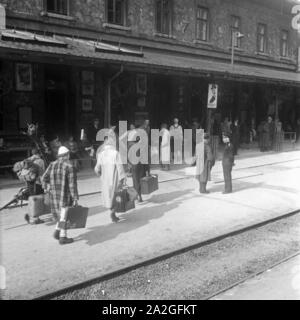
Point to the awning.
(69, 48)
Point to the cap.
(63, 151)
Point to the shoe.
(56, 234)
(38, 221)
(27, 218)
(65, 240)
(226, 192)
(115, 219)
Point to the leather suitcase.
(149, 184)
(37, 206)
(123, 202)
(77, 217)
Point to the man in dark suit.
(227, 163)
(209, 161)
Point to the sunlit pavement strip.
(279, 283)
(174, 217)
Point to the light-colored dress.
(110, 167)
(165, 147)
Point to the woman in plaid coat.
(60, 179)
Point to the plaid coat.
(62, 178)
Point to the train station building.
(64, 63)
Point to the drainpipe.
(2, 18)
(108, 96)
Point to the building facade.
(64, 62)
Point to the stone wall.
(141, 20)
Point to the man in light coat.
(109, 166)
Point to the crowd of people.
(56, 164)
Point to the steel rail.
(251, 276)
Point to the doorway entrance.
(57, 102)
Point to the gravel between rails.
(201, 272)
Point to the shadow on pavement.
(134, 219)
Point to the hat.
(62, 151)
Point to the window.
(284, 43)
(235, 27)
(116, 12)
(202, 24)
(58, 6)
(163, 16)
(262, 38)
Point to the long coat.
(165, 147)
(204, 163)
(62, 178)
(110, 167)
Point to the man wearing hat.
(227, 162)
(60, 180)
(209, 162)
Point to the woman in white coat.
(109, 166)
(165, 149)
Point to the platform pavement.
(89, 183)
(174, 217)
(279, 283)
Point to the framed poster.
(88, 89)
(23, 77)
(141, 84)
(87, 105)
(212, 96)
(87, 76)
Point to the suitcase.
(37, 206)
(123, 202)
(77, 217)
(149, 184)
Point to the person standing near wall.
(209, 162)
(165, 152)
(271, 130)
(227, 163)
(146, 126)
(176, 133)
(235, 129)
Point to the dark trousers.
(203, 187)
(227, 177)
(137, 175)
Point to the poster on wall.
(87, 105)
(87, 76)
(23, 77)
(88, 89)
(212, 96)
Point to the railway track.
(251, 276)
(123, 271)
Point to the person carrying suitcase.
(60, 179)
